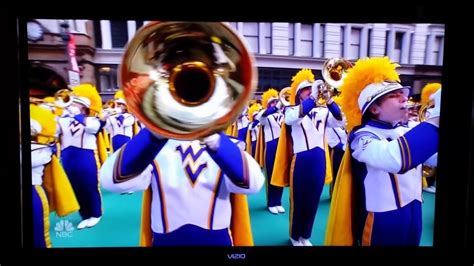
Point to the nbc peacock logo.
(64, 229)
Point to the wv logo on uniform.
(64, 229)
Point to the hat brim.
(406, 90)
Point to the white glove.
(212, 142)
(278, 105)
(436, 98)
(316, 88)
(118, 110)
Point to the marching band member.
(270, 119)
(51, 188)
(382, 167)
(78, 132)
(242, 124)
(306, 125)
(429, 176)
(191, 183)
(120, 125)
(252, 129)
(337, 141)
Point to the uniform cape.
(240, 228)
(136, 128)
(339, 226)
(260, 148)
(284, 157)
(101, 147)
(106, 138)
(248, 142)
(232, 130)
(56, 184)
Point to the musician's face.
(391, 108)
(305, 93)
(272, 103)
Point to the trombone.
(62, 99)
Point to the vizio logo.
(236, 256)
(64, 228)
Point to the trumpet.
(334, 70)
(187, 80)
(284, 96)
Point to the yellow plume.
(89, 91)
(270, 93)
(365, 71)
(119, 95)
(254, 108)
(47, 121)
(428, 90)
(302, 75)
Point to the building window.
(139, 24)
(307, 40)
(291, 39)
(322, 28)
(268, 37)
(341, 40)
(97, 35)
(233, 25)
(277, 78)
(119, 33)
(354, 48)
(250, 33)
(107, 78)
(397, 49)
(437, 50)
(369, 41)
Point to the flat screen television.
(281, 49)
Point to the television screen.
(83, 197)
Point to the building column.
(429, 59)
(332, 38)
(280, 39)
(391, 43)
(297, 40)
(261, 38)
(405, 47)
(316, 40)
(346, 41)
(364, 42)
(377, 41)
(240, 28)
(81, 25)
(418, 50)
(440, 53)
(131, 28)
(106, 35)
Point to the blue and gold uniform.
(301, 160)
(377, 197)
(78, 133)
(191, 188)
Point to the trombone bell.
(334, 70)
(187, 80)
(284, 96)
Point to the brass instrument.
(187, 80)
(422, 116)
(110, 104)
(334, 70)
(63, 98)
(284, 96)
